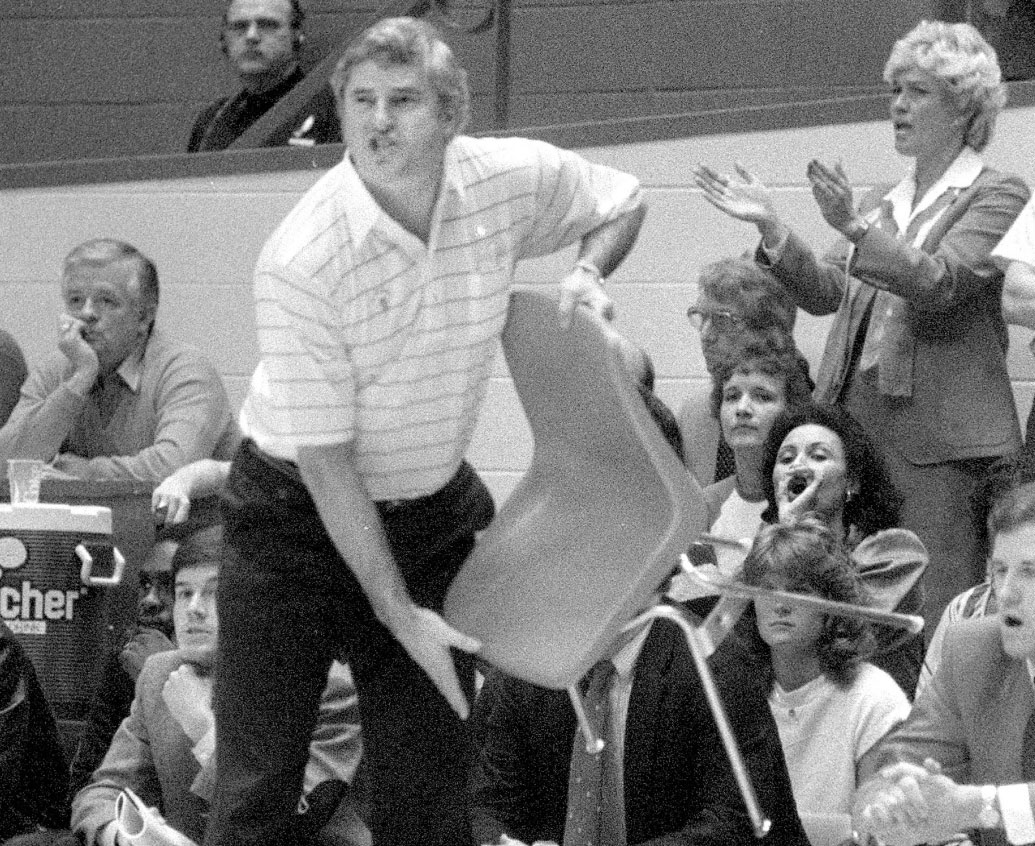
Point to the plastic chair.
(598, 521)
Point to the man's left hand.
(583, 287)
(188, 697)
(906, 803)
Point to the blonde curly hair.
(964, 63)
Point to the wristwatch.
(988, 816)
(859, 227)
(591, 268)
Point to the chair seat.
(599, 519)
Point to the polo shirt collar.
(362, 211)
(131, 371)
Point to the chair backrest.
(597, 522)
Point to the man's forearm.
(41, 421)
(608, 244)
(353, 524)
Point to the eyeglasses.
(719, 319)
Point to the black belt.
(386, 506)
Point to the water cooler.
(57, 566)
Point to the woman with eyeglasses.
(917, 348)
(735, 296)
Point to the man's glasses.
(719, 319)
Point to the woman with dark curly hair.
(830, 705)
(819, 461)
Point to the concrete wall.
(204, 235)
(107, 78)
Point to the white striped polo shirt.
(368, 335)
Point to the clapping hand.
(743, 196)
(833, 194)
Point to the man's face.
(721, 324)
(259, 41)
(155, 606)
(194, 610)
(106, 299)
(1013, 567)
(392, 124)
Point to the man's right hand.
(426, 637)
(140, 647)
(72, 343)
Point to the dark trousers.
(288, 604)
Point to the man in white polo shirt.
(380, 299)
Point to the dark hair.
(411, 42)
(770, 351)
(810, 559)
(1008, 495)
(201, 548)
(102, 252)
(877, 502)
(759, 297)
(297, 14)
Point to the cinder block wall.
(204, 235)
(110, 78)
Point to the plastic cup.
(25, 475)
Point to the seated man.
(33, 770)
(117, 399)
(262, 40)
(672, 780)
(164, 750)
(965, 757)
(114, 695)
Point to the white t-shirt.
(737, 518)
(825, 730)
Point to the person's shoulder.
(875, 683)
(10, 349)
(321, 208)
(169, 354)
(481, 158)
(973, 637)
(717, 493)
(201, 122)
(1002, 183)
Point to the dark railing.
(494, 18)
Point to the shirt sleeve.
(960, 269)
(1015, 805)
(43, 416)
(1018, 243)
(303, 391)
(884, 707)
(129, 763)
(571, 197)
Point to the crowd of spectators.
(290, 677)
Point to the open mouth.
(797, 484)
